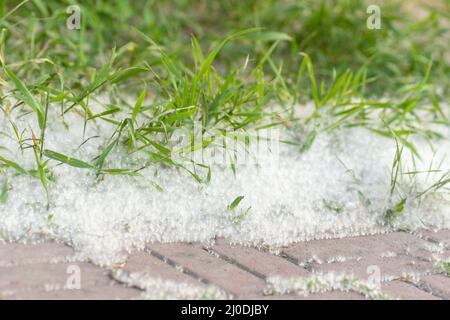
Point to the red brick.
(363, 246)
(44, 276)
(91, 293)
(405, 291)
(261, 262)
(438, 284)
(389, 267)
(143, 262)
(330, 295)
(216, 271)
(436, 235)
(19, 254)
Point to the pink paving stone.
(91, 293)
(405, 291)
(263, 263)
(438, 284)
(215, 270)
(143, 262)
(389, 267)
(44, 276)
(331, 295)
(363, 246)
(436, 235)
(437, 256)
(17, 253)
(29, 271)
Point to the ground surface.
(406, 263)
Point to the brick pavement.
(405, 263)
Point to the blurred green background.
(332, 33)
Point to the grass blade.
(73, 162)
(27, 97)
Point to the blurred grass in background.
(332, 33)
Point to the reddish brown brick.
(405, 291)
(330, 295)
(216, 271)
(373, 246)
(90, 293)
(46, 276)
(261, 262)
(436, 235)
(389, 267)
(143, 262)
(437, 284)
(18, 254)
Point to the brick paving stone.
(101, 292)
(333, 295)
(389, 267)
(46, 276)
(438, 284)
(215, 270)
(435, 256)
(372, 246)
(330, 295)
(143, 262)
(321, 249)
(39, 271)
(438, 247)
(261, 262)
(18, 254)
(405, 291)
(436, 235)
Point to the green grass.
(334, 36)
(224, 64)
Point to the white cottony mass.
(340, 186)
